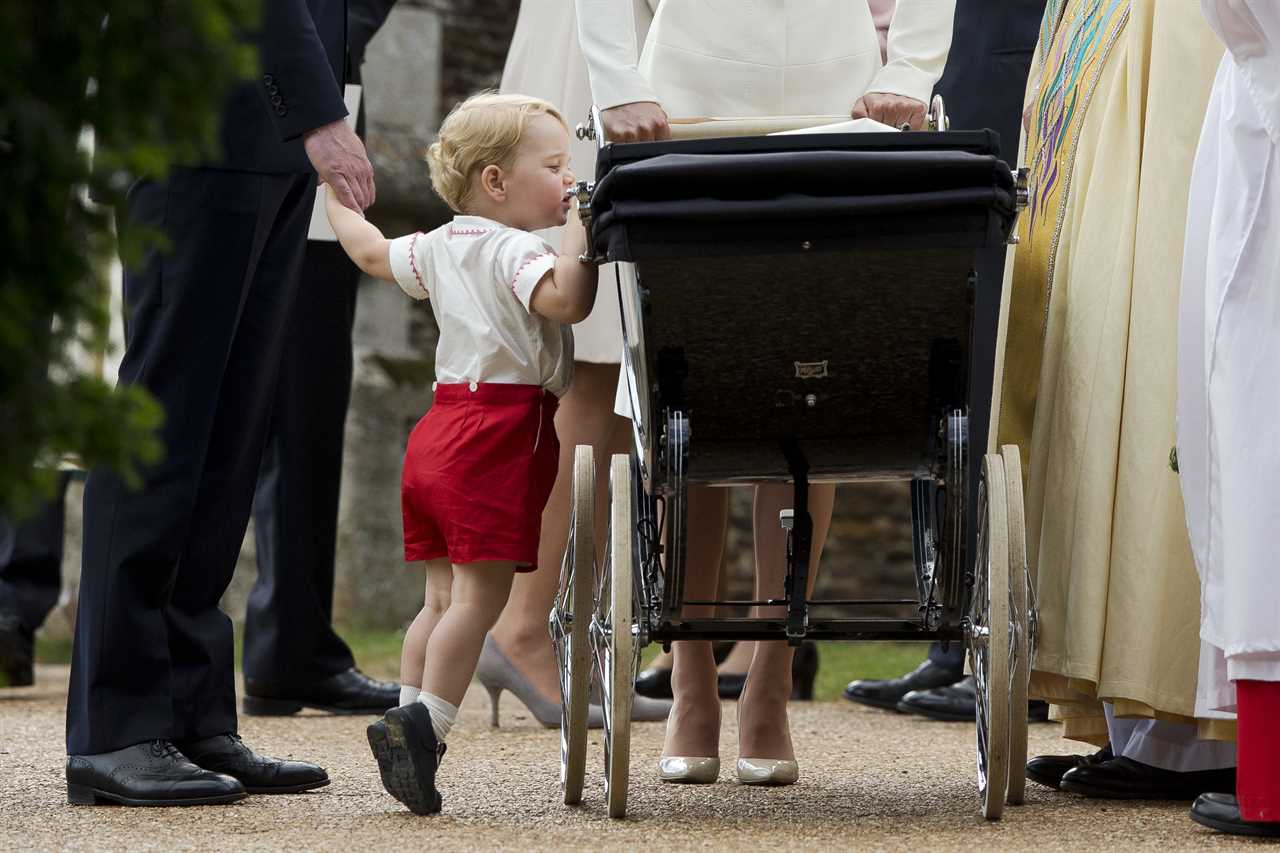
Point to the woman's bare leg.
(413, 654)
(693, 729)
(763, 729)
(585, 416)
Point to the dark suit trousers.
(983, 85)
(206, 322)
(31, 559)
(288, 636)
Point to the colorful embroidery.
(1074, 55)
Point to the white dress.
(1229, 357)
(545, 61)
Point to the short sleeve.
(407, 265)
(522, 260)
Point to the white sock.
(442, 714)
(408, 694)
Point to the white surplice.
(1229, 357)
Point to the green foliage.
(149, 79)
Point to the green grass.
(53, 649)
(377, 652)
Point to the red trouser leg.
(1258, 750)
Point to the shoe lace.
(164, 749)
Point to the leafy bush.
(148, 78)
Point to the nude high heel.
(768, 771)
(496, 673)
(765, 771)
(688, 770)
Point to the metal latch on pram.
(583, 192)
(1021, 199)
(593, 129)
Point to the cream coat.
(762, 57)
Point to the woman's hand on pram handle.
(894, 110)
(642, 121)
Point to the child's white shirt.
(480, 276)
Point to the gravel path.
(870, 780)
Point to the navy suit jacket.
(302, 46)
(986, 74)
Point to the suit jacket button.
(281, 111)
(268, 79)
(277, 100)
(273, 88)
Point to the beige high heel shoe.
(765, 771)
(768, 771)
(690, 770)
(686, 770)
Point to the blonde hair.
(483, 130)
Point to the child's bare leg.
(479, 593)
(413, 654)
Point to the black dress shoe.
(1124, 779)
(888, 693)
(350, 692)
(1222, 812)
(655, 683)
(730, 685)
(258, 773)
(17, 650)
(953, 703)
(1048, 770)
(147, 774)
(408, 755)
(804, 671)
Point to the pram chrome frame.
(638, 596)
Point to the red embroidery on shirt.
(532, 260)
(467, 232)
(413, 263)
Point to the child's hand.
(360, 239)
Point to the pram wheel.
(989, 637)
(612, 637)
(570, 625)
(1021, 649)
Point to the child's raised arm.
(568, 291)
(360, 239)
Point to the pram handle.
(713, 127)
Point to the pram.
(798, 309)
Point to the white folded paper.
(857, 125)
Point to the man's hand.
(642, 121)
(338, 156)
(893, 110)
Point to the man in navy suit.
(151, 712)
(982, 86)
(293, 658)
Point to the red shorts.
(478, 472)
